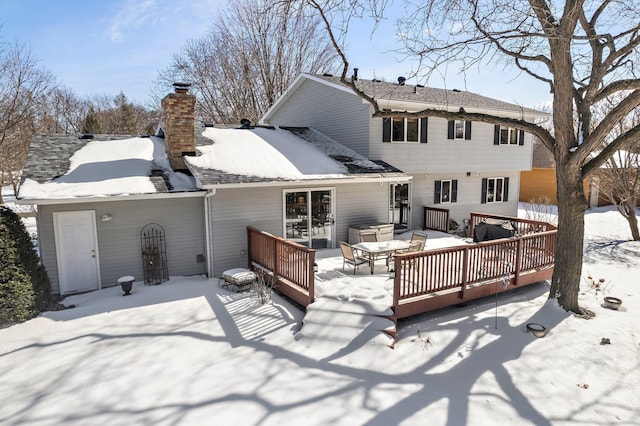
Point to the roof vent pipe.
(355, 74)
(401, 81)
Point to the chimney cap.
(181, 87)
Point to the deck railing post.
(250, 256)
(396, 283)
(518, 259)
(465, 271)
(312, 276)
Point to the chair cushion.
(238, 276)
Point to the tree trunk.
(633, 221)
(572, 204)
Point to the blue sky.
(104, 47)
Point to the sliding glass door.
(399, 205)
(309, 217)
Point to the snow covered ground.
(189, 352)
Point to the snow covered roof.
(229, 156)
(68, 167)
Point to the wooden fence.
(287, 264)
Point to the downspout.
(207, 232)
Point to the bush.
(25, 289)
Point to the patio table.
(385, 248)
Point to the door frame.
(392, 193)
(60, 252)
(309, 190)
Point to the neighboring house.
(539, 184)
(95, 195)
(458, 165)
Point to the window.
(459, 129)
(401, 129)
(445, 191)
(495, 190)
(508, 136)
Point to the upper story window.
(495, 190)
(459, 129)
(445, 191)
(402, 129)
(508, 136)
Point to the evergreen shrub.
(25, 289)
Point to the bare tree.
(619, 181)
(23, 84)
(249, 57)
(585, 51)
(116, 115)
(61, 111)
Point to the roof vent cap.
(181, 87)
(401, 80)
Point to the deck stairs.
(342, 323)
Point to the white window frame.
(442, 182)
(455, 129)
(491, 196)
(406, 127)
(512, 136)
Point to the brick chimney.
(179, 125)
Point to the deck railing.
(287, 264)
(437, 278)
(436, 219)
(523, 226)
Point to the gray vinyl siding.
(469, 195)
(232, 210)
(119, 249)
(340, 115)
(360, 204)
(442, 155)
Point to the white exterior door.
(77, 251)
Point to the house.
(461, 166)
(179, 202)
(539, 184)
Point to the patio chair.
(349, 257)
(414, 247)
(422, 238)
(368, 237)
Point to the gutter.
(207, 234)
(106, 198)
(306, 183)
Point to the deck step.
(342, 323)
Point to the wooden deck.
(427, 280)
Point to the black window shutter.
(450, 131)
(505, 190)
(467, 130)
(386, 129)
(423, 130)
(454, 190)
(521, 137)
(436, 192)
(483, 198)
(496, 135)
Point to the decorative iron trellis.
(154, 254)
